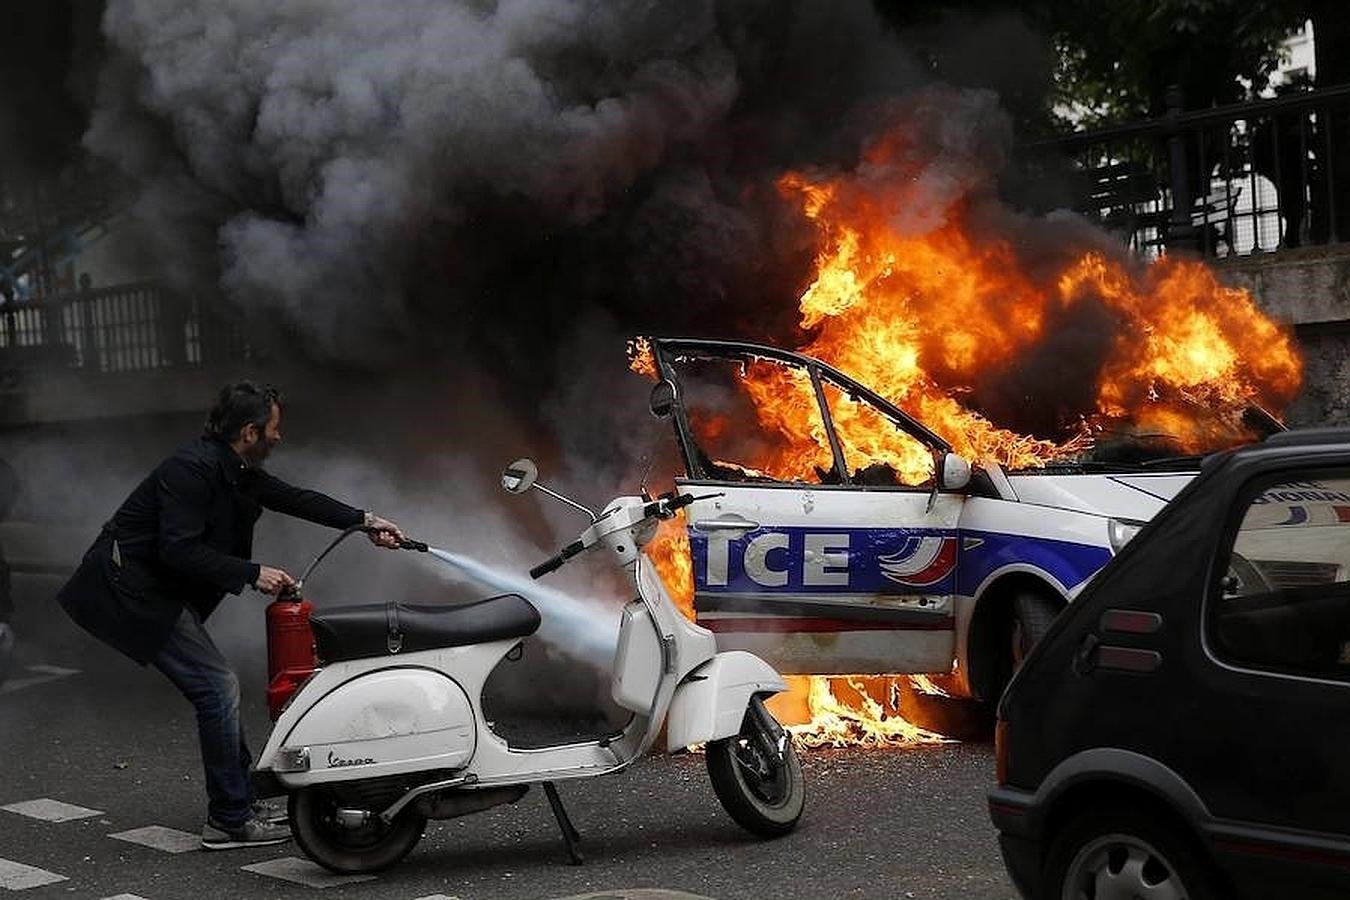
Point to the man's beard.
(254, 456)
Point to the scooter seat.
(360, 632)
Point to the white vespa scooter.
(390, 730)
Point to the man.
(174, 548)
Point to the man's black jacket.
(183, 537)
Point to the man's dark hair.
(238, 405)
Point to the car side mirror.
(520, 476)
(953, 473)
(662, 402)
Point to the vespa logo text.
(337, 762)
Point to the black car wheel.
(1125, 853)
(1033, 613)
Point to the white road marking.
(157, 837)
(437, 897)
(302, 871)
(48, 810)
(18, 877)
(44, 674)
(637, 894)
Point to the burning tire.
(763, 794)
(345, 847)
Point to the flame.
(918, 316)
(911, 301)
(669, 549)
(640, 358)
(851, 711)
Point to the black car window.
(1284, 600)
(876, 450)
(755, 420)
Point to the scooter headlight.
(1120, 531)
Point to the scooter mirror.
(520, 476)
(663, 399)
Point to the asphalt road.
(81, 726)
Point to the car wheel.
(1033, 613)
(1126, 852)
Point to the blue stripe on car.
(1068, 562)
(981, 554)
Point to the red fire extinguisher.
(290, 649)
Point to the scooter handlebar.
(663, 507)
(554, 563)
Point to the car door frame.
(930, 642)
(666, 350)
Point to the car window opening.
(757, 420)
(1284, 600)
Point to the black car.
(1183, 729)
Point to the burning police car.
(849, 538)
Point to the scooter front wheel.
(346, 846)
(763, 792)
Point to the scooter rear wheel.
(763, 794)
(369, 847)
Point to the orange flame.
(917, 317)
(669, 549)
(851, 711)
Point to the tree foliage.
(1117, 60)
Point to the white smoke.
(579, 628)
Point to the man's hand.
(272, 581)
(382, 532)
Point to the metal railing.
(125, 328)
(1233, 180)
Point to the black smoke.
(412, 178)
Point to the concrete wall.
(1309, 288)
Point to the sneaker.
(269, 812)
(253, 833)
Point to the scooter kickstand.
(570, 835)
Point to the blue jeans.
(197, 668)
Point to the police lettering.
(766, 560)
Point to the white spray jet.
(390, 731)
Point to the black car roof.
(1309, 436)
